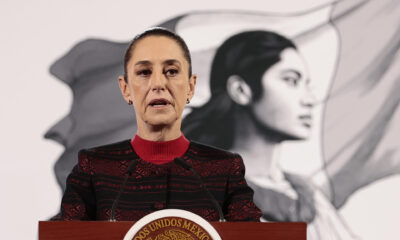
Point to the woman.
(158, 82)
(260, 98)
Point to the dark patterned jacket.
(95, 181)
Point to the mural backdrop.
(327, 73)
(309, 97)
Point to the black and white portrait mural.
(308, 94)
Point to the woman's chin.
(290, 134)
(301, 134)
(161, 121)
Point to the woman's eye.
(292, 81)
(144, 73)
(171, 72)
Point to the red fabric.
(160, 152)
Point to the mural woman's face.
(286, 103)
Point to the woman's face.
(286, 103)
(158, 82)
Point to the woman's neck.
(260, 151)
(158, 133)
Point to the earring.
(187, 101)
(130, 102)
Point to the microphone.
(187, 166)
(129, 171)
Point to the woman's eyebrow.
(298, 74)
(143, 62)
(166, 62)
(172, 62)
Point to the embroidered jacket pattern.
(96, 180)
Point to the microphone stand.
(128, 173)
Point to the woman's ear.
(123, 86)
(239, 90)
(191, 86)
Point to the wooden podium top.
(102, 230)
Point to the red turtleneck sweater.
(160, 152)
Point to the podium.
(103, 230)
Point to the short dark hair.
(248, 55)
(157, 31)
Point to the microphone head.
(131, 167)
(182, 163)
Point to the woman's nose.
(308, 99)
(158, 82)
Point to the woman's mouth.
(306, 120)
(159, 103)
